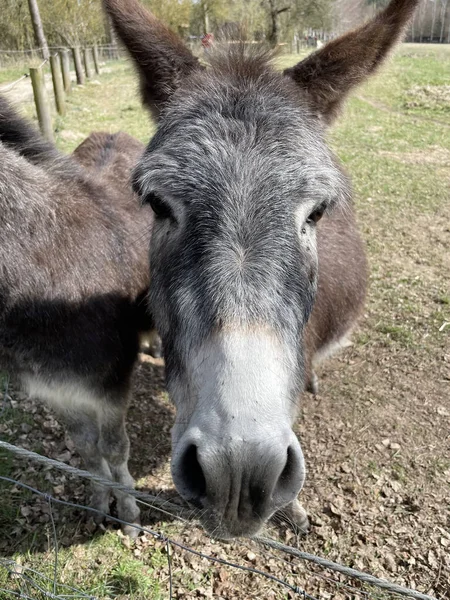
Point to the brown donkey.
(75, 274)
(248, 289)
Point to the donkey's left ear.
(328, 75)
(159, 54)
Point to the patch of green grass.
(132, 576)
(399, 472)
(104, 567)
(444, 299)
(410, 70)
(396, 333)
(108, 103)
(361, 338)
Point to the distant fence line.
(85, 62)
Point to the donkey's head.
(238, 174)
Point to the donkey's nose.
(239, 483)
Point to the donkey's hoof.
(313, 384)
(295, 515)
(128, 510)
(155, 348)
(133, 529)
(151, 344)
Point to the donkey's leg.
(84, 430)
(114, 446)
(313, 384)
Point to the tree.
(433, 20)
(174, 13)
(38, 29)
(274, 12)
(442, 17)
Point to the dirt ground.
(376, 439)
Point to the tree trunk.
(274, 28)
(205, 17)
(443, 15)
(38, 29)
(114, 51)
(273, 24)
(422, 11)
(433, 20)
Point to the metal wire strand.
(327, 564)
(160, 537)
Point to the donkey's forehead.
(220, 138)
(261, 107)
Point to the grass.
(392, 141)
(109, 103)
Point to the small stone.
(251, 556)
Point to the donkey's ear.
(160, 55)
(328, 75)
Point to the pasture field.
(377, 437)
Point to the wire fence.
(13, 84)
(67, 66)
(34, 580)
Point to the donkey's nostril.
(291, 479)
(290, 466)
(194, 480)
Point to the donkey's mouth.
(220, 529)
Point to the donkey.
(75, 274)
(248, 289)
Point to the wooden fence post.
(41, 101)
(65, 66)
(96, 61)
(87, 63)
(78, 65)
(58, 85)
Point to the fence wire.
(176, 511)
(13, 84)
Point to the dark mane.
(241, 59)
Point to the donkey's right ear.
(161, 57)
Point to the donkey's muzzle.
(239, 482)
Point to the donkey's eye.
(316, 215)
(161, 209)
